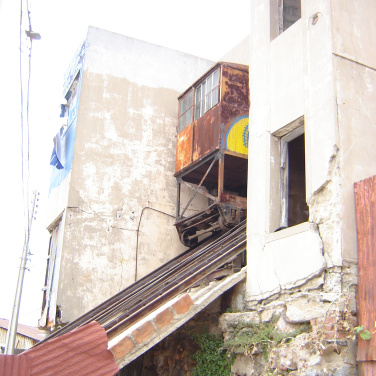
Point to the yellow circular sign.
(237, 135)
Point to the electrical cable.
(138, 231)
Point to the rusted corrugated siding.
(14, 365)
(367, 368)
(82, 351)
(365, 203)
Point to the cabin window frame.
(185, 115)
(207, 94)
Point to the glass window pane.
(197, 111)
(209, 84)
(198, 95)
(215, 96)
(188, 119)
(207, 102)
(190, 99)
(181, 106)
(216, 78)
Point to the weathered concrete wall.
(303, 56)
(286, 78)
(354, 32)
(319, 73)
(122, 193)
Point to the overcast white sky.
(205, 28)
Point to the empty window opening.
(293, 180)
(283, 14)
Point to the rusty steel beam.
(199, 186)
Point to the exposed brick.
(164, 318)
(329, 335)
(144, 332)
(342, 335)
(331, 320)
(328, 327)
(122, 348)
(183, 304)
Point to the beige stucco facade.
(117, 205)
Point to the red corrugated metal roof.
(25, 330)
(14, 365)
(82, 351)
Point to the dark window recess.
(283, 14)
(297, 206)
(291, 12)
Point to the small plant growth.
(211, 359)
(253, 338)
(364, 333)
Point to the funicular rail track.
(147, 294)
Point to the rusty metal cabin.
(212, 150)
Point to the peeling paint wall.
(120, 200)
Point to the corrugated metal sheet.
(14, 365)
(365, 203)
(80, 352)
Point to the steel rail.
(159, 298)
(148, 293)
(140, 299)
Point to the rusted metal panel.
(14, 365)
(184, 148)
(240, 202)
(365, 204)
(367, 368)
(207, 133)
(80, 352)
(235, 87)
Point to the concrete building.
(112, 196)
(312, 136)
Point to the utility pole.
(12, 327)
